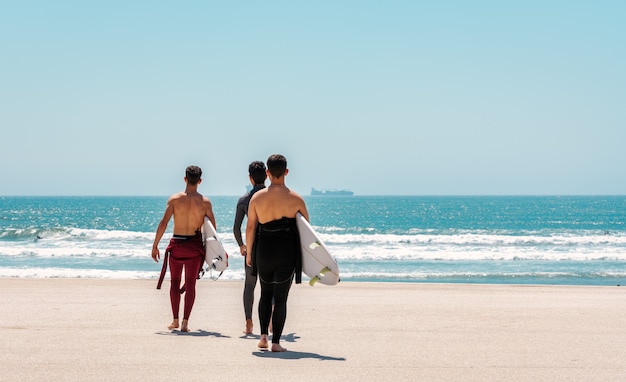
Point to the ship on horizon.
(316, 192)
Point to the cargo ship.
(316, 192)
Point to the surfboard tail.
(319, 276)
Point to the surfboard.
(216, 256)
(317, 262)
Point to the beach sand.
(106, 330)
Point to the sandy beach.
(104, 330)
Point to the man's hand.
(156, 255)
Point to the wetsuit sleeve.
(239, 215)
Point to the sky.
(378, 97)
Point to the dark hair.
(257, 172)
(277, 165)
(193, 175)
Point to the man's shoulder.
(245, 198)
(206, 200)
(177, 196)
(184, 195)
(295, 196)
(259, 194)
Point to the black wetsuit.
(250, 281)
(276, 258)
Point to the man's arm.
(169, 211)
(302, 206)
(239, 215)
(251, 230)
(209, 212)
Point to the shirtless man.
(185, 249)
(272, 234)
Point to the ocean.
(560, 240)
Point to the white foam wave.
(469, 239)
(123, 244)
(346, 274)
(101, 274)
(74, 273)
(460, 275)
(406, 253)
(75, 243)
(476, 247)
(80, 234)
(76, 252)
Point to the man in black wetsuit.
(275, 254)
(257, 174)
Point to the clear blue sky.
(380, 97)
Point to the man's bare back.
(189, 210)
(276, 202)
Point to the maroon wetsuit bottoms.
(185, 253)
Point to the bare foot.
(278, 348)
(248, 327)
(185, 327)
(174, 324)
(263, 342)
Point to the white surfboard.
(216, 256)
(317, 263)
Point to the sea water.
(573, 240)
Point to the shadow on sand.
(195, 333)
(295, 355)
(291, 337)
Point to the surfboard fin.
(319, 276)
(314, 245)
(314, 280)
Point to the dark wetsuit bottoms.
(186, 252)
(277, 245)
(248, 292)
